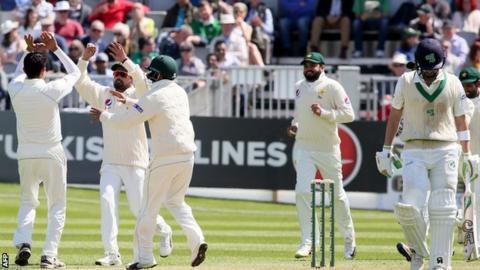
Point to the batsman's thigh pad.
(414, 227)
(442, 211)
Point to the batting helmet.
(165, 65)
(429, 54)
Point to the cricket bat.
(469, 226)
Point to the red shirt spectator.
(68, 29)
(111, 12)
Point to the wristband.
(463, 135)
(124, 60)
(387, 147)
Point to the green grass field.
(241, 235)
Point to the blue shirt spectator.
(7, 5)
(296, 14)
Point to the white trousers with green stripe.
(165, 185)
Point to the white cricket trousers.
(166, 185)
(111, 180)
(53, 174)
(306, 163)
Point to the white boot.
(165, 245)
(303, 251)
(350, 251)
(416, 263)
(109, 259)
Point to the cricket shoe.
(416, 261)
(137, 266)
(49, 262)
(303, 251)
(24, 253)
(110, 259)
(165, 246)
(198, 254)
(350, 251)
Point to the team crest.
(321, 92)
(430, 58)
(297, 93)
(463, 75)
(108, 103)
(347, 101)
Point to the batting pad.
(442, 210)
(414, 227)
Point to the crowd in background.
(240, 33)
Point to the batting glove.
(470, 165)
(385, 158)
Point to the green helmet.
(165, 65)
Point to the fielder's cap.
(469, 75)
(118, 66)
(410, 32)
(429, 54)
(425, 9)
(101, 57)
(8, 26)
(314, 57)
(227, 19)
(165, 65)
(61, 6)
(49, 20)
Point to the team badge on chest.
(320, 93)
(108, 103)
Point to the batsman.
(470, 78)
(433, 106)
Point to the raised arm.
(89, 90)
(134, 70)
(59, 88)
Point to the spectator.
(146, 61)
(261, 19)
(49, 26)
(179, 14)
(467, 16)
(65, 27)
(12, 45)
(398, 65)
(441, 8)
(53, 63)
(370, 15)
(75, 51)
(121, 34)
(453, 64)
(402, 17)
(111, 12)
(409, 43)
(31, 24)
(295, 14)
(189, 64)
(147, 49)
(236, 45)
(426, 23)
(95, 35)
(206, 26)
(475, 55)
(7, 5)
(170, 42)
(101, 68)
(458, 45)
(246, 30)
(79, 11)
(332, 14)
(140, 25)
(43, 8)
(224, 58)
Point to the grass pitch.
(241, 235)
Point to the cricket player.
(41, 158)
(433, 104)
(470, 78)
(125, 157)
(321, 103)
(165, 107)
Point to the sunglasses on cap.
(119, 73)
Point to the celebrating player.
(433, 104)
(40, 154)
(321, 104)
(165, 107)
(125, 155)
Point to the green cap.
(410, 32)
(314, 57)
(165, 65)
(469, 75)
